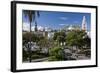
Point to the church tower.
(36, 27)
(84, 24)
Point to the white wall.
(5, 36)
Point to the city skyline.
(57, 20)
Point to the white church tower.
(84, 24)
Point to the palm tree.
(31, 15)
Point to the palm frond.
(31, 15)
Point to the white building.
(89, 34)
(50, 35)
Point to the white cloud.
(63, 18)
(62, 24)
(76, 21)
(40, 28)
(25, 26)
(33, 28)
(47, 29)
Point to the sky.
(57, 20)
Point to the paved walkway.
(38, 60)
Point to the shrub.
(56, 54)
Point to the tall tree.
(31, 15)
(60, 37)
(75, 38)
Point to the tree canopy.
(76, 38)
